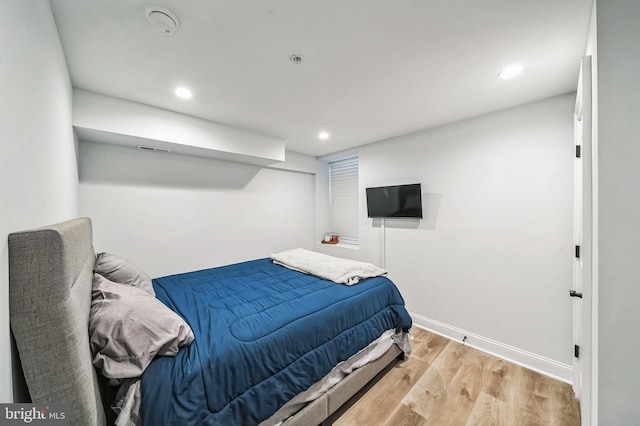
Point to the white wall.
(173, 213)
(38, 184)
(493, 254)
(102, 118)
(618, 226)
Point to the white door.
(582, 265)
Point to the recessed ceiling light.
(510, 71)
(184, 93)
(323, 136)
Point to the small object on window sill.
(329, 242)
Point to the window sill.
(341, 245)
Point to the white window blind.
(343, 176)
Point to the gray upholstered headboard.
(50, 276)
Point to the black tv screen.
(395, 201)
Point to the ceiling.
(372, 69)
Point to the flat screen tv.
(395, 201)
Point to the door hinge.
(578, 151)
(576, 351)
(574, 293)
(577, 252)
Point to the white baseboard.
(541, 364)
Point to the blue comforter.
(263, 334)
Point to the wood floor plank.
(405, 416)
(567, 412)
(515, 392)
(529, 399)
(427, 346)
(446, 383)
(380, 401)
(450, 360)
(487, 411)
(463, 389)
(426, 396)
(495, 377)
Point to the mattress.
(263, 334)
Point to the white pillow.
(128, 328)
(121, 270)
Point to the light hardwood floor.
(446, 383)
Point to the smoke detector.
(162, 20)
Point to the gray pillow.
(121, 270)
(128, 327)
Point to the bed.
(51, 273)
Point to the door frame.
(583, 237)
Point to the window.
(343, 199)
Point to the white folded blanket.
(336, 269)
